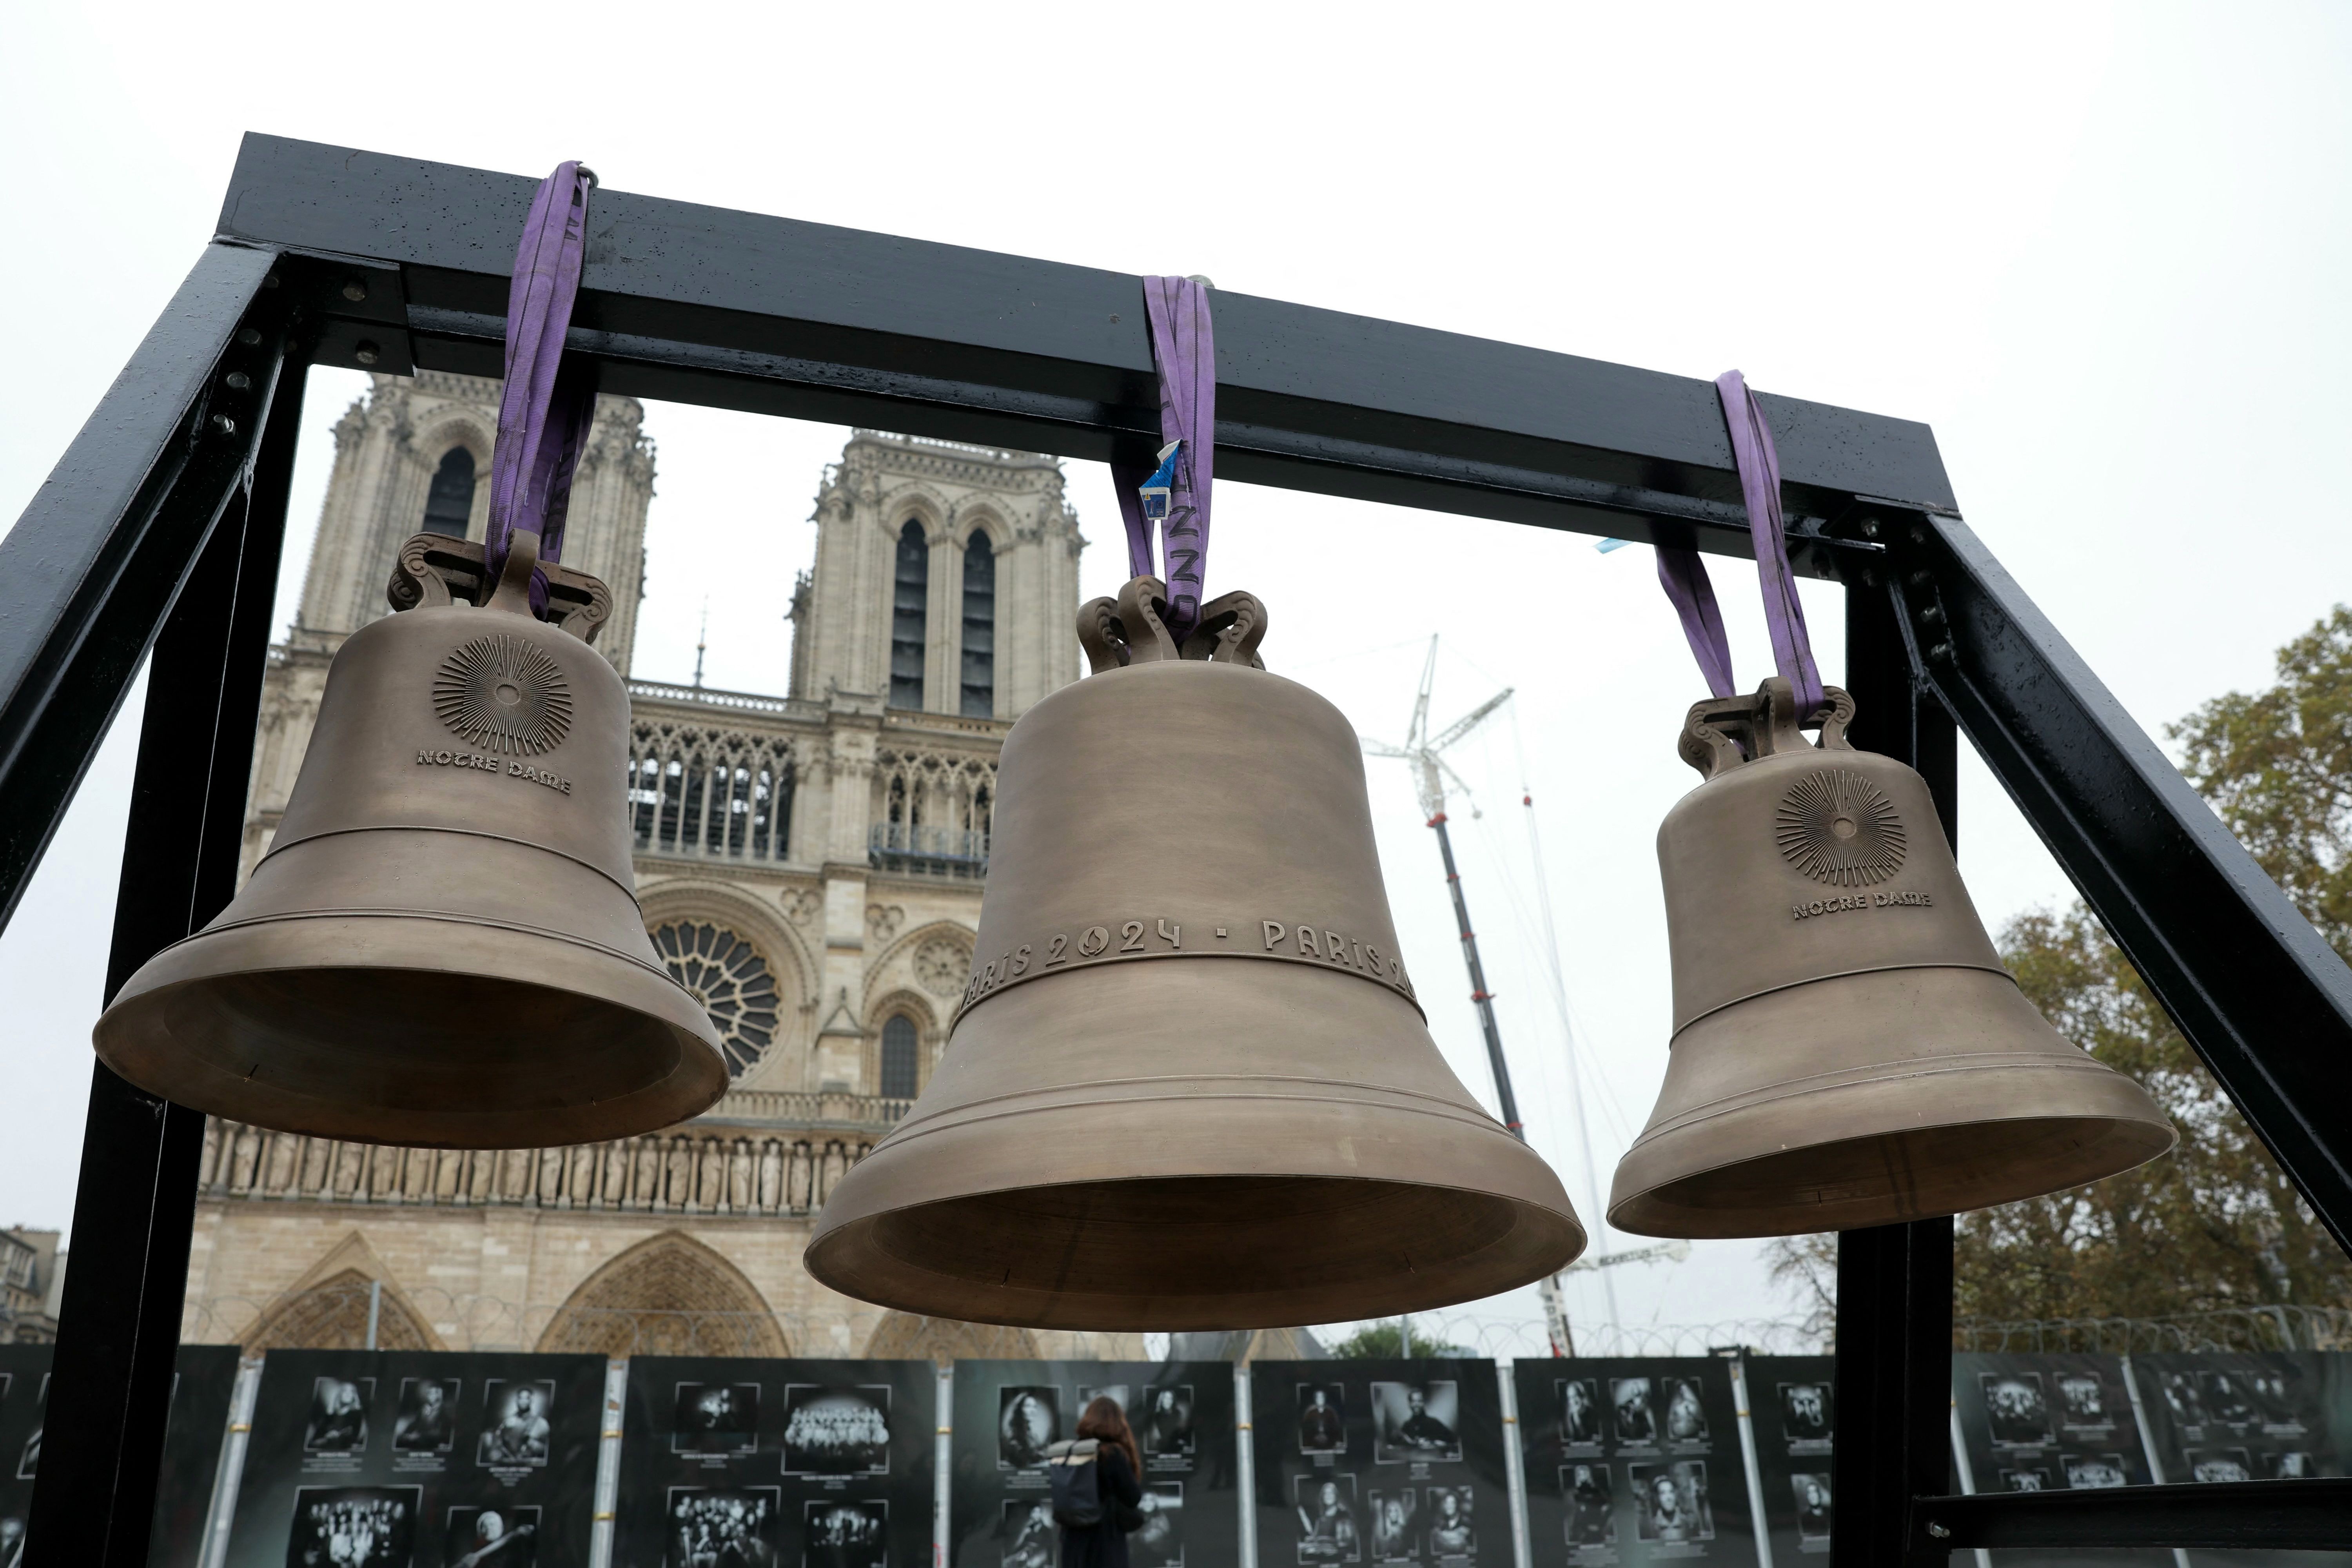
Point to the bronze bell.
(1848, 1050)
(1188, 1086)
(442, 946)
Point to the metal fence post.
(607, 1504)
(943, 1466)
(223, 1512)
(1514, 1460)
(1747, 1460)
(1245, 1460)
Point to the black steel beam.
(742, 311)
(96, 560)
(1895, 1282)
(119, 1329)
(2264, 1001)
(2248, 1515)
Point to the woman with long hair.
(1117, 1468)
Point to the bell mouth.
(398, 1052)
(1194, 1252)
(1892, 1177)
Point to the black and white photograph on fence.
(492, 1538)
(427, 1421)
(24, 1371)
(1793, 1406)
(1633, 1462)
(1633, 1420)
(840, 1454)
(337, 1422)
(1686, 1414)
(1452, 1528)
(1166, 1430)
(1671, 1502)
(1810, 1490)
(837, 1429)
(1331, 1528)
(717, 1418)
(2054, 1422)
(1027, 1535)
(516, 1431)
(1159, 1541)
(353, 1527)
(1415, 1421)
(1384, 1449)
(1396, 1524)
(845, 1533)
(1591, 1516)
(1181, 1414)
(1028, 1422)
(434, 1500)
(710, 1525)
(1322, 1419)
(2016, 1413)
(1579, 1403)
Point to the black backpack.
(1077, 1484)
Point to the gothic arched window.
(899, 1055)
(910, 606)
(979, 628)
(450, 502)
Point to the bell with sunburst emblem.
(442, 946)
(1848, 1050)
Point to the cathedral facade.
(809, 864)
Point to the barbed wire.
(334, 1316)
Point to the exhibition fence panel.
(1793, 1414)
(828, 1464)
(417, 1459)
(202, 1378)
(1381, 1462)
(1008, 1413)
(1633, 1462)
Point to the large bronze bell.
(1188, 1086)
(1848, 1049)
(442, 946)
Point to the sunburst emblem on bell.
(1189, 1086)
(1848, 1049)
(443, 945)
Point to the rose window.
(729, 977)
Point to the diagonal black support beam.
(2264, 1001)
(98, 558)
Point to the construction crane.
(1423, 753)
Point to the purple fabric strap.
(1684, 578)
(546, 405)
(1184, 351)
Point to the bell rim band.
(1048, 1101)
(1110, 959)
(322, 834)
(1695, 1019)
(1952, 1065)
(491, 922)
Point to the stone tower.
(809, 863)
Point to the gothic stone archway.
(333, 1315)
(903, 1336)
(668, 1295)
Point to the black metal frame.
(160, 530)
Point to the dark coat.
(1105, 1544)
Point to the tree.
(2214, 1223)
(1385, 1342)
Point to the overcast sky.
(2101, 250)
